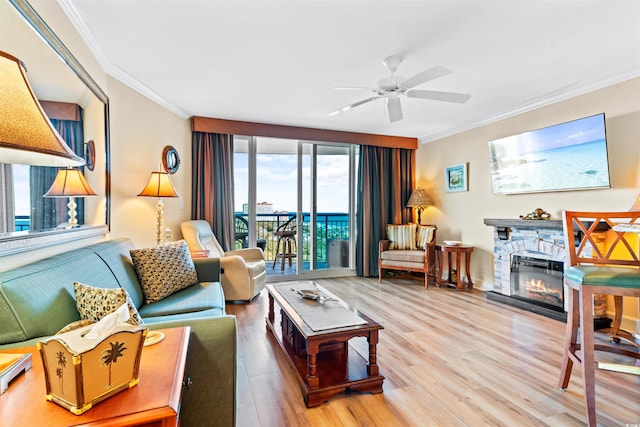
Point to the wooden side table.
(458, 251)
(155, 401)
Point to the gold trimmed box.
(80, 372)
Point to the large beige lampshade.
(26, 134)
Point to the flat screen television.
(566, 156)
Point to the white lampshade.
(26, 134)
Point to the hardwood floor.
(449, 359)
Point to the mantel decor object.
(537, 214)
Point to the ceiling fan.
(390, 88)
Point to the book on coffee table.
(11, 365)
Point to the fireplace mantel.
(525, 223)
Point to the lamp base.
(73, 221)
(159, 219)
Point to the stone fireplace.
(541, 244)
(535, 250)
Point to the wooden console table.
(155, 401)
(459, 251)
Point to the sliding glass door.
(297, 201)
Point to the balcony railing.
(23, 222)
(330, 225)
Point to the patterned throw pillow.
(402, 236)
(164, 269)
(95, 303)
(424, 235)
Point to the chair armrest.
(208, 269)
(249, 254)
(383, 246)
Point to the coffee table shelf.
(325, 362)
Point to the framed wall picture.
(455, 178)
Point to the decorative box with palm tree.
(80, 372)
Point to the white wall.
(140, 129)
(460, 216)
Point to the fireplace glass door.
(538, 281)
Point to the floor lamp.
(420, 200)
(70, 183)
(159, 186)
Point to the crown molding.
(553, 97)
(85, 33)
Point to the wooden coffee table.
(322, 359)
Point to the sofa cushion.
(200, 297)
(424, 235)
(402, 236)
(394, 255)
(164, 269)
(95, 303)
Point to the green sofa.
(37, 300)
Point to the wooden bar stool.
(614, 270)
(285, 246)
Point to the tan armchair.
(244, 270)
(409, 247)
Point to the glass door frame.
(252, 142)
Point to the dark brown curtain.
(212, 184)
(386, 177)
(47, 212)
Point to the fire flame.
(538, 286)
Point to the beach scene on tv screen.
(567, 156)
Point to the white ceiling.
(278, 61)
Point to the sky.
(575, 132)
(277, 179)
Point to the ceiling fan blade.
(425, 76)
(355, 104)
(369, 89)
(460, 98)
(394, 108)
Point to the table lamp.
(420, 200)
(159, 186)
(26, 134)
(70, 183)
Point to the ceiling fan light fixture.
(393, 107)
